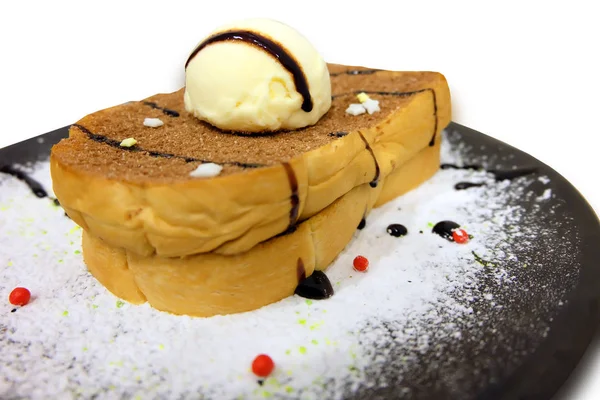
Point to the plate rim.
(573, 328)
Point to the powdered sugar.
(421, 294)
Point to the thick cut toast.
(209, 284)
(142, 199)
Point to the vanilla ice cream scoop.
(257, 75)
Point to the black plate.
(517, 359)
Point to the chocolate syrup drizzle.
(375, 180)
(170, 113)
(272, 48)
(467, 185)
(337, 134)
(300, 270)
(117, 144)
(34, 185)
(402, 94)
(356, 72)
(294, 198)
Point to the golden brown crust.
(150, 205)
(210, 284)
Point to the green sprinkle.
(273, 382)
(120, 304)
(44, 232)
(161, 346)
(302, 350)
(267, 394)
(308, 302)
(77, 252)
(85, 349)
(327, 342)
(128, 142)
(302, 321)
(430, 224)
(485, 263)
(61, 260)
(10, 263)
(314, 341)
(65, 313)
(289, 389)
(316, 325)
(35, 256)
(288, 352)
(94, 306)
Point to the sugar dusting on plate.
(75, 339)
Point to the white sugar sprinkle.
(355, 109)
(75, 339)
(545, 196)
(153, 122)
(371, 106)
(206, 170)
(544, 179)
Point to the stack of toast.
(284, 205)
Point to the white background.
(524, 72)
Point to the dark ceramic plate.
(528, 348)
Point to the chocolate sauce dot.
(444, 229)
(315, 287)
(13, 310)
(362, 224)
(397, 230)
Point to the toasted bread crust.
(210, 284)
(173, 215)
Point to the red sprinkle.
(19, 296)
(262, 365)
(460, 236)
(361, 264)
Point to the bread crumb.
(128, 142)
(206, 170)
(153, 122)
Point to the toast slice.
(210, 284)
(143, 199)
